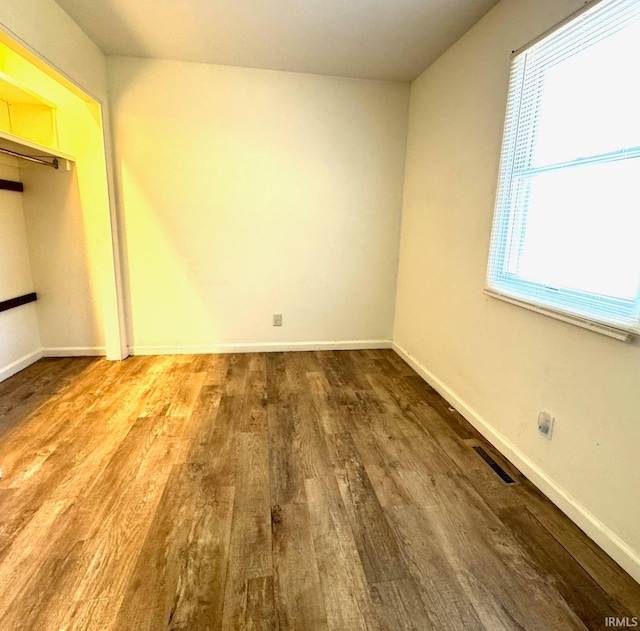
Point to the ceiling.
(374, 39)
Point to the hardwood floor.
(295, 491)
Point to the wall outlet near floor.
(545, 424)
(277, 319)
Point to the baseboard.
(260, 348)
(74, 351)
(613, 545)
(19, 364)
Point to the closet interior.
(57, 255)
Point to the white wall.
(69, 311)
(500, 363)
(19, 335)
(250, 192)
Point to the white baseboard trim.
(260, 348)
(20, 364)
(75, 351)
(613, 545)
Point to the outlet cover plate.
(546, 422)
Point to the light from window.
(566, 230)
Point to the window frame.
(507, 286)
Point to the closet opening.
(58, 239)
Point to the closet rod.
(12, 303)
(54, 161)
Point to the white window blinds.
(566, 231)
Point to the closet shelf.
(13, 91)
(29, 148)
(27, 114)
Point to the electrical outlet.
(545, 424)
(277, 319)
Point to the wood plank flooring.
(328, 491)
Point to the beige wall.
(69, 305)
(498, 362)
(250, 192)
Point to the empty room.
(319, 315)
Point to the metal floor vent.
(504, 476)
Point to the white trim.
(613, 545)
(19, 364)
(265, 347)
(75, 351)
(589, 4)
(596, 327)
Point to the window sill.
(603, 329)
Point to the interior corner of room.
(196, 202)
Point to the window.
(566, 230)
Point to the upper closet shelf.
(32, 151)
(28, 124)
